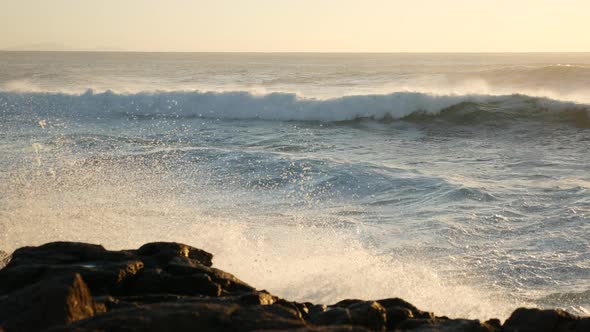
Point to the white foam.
(274, 106)
(292, 253)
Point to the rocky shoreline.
(163, 286)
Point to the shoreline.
(167, 286)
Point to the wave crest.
(411, 106)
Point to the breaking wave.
(411, 106)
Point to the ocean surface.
(459, 182)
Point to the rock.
(529, 320)
(156, 281)
(301, 308)
(228, 282)
(263, 298)
(399, 303)
(101, 277)
(52, 301)
(165, 251)
(66, 253)
(368, 314)
(399, 311)
(331, 316)
(396, 315)
(168, 286)
(190, 317)
(445, 325)
(493, 324)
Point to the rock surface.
(68, 286)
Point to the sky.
(297, 25)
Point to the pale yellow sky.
(298, 25)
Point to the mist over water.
(457, 182)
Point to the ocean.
(458, 182)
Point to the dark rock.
(396, 315)
(346, 303)
(331, 316)
(52, 301)
(163, 252)
(369, 314)
(399, 303)
(156, 281)
(445, 325)
(260, 298)
(266, 317)
(228, 282)
(529, 320)
(314, 309)
(173, 287)
(101, 277)
(190, 317)
(301, 308)
(493, 324)
(66, 253)
(332, 328)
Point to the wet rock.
(66, 253)
(399, 303)
(190, 317)
(260, 298)
(368, 314)
(52, 301)
(331, 316)
(396, 315)
(529, 320)
(333, 328)
(101, 277)
(167, 286)
(301, 308)
(445, 325)
(186, 266)
(163, 252)
(157, 281)
(493, 324)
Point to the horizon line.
(291, 52)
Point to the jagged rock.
(101, 277)
(190, 317)
(165, 251)
(331, 328)
(493, 324)
(301, 308)
(399, 310)
(173, 287)
(52, 301)
(66, 253)
(368, 314)
(246, 299)
(529, 320)
(156, 281)
(331, 316)
(399, 303)
(445, 325)
(228, 282)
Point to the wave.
(409, 106)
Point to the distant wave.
(410, 106)
(559, 77)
